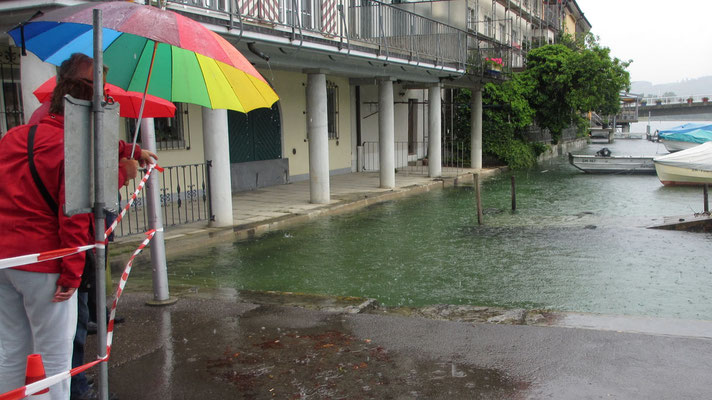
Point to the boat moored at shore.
(688, 167)
(604, 163)
(685, 136)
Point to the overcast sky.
(668, 41)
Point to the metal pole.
(161, 295)
(99, 204)
(706, 198)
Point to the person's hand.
(131, 168)
(63, 294)
(147, 157)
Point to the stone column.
(318, 134)
(434, 131)
(476, 129)
(33, 73)
(386, 133)
(217, 150)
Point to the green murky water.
(577, 242)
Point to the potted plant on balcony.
(644, 102)
(689, 100)
(493, 64)
(658, 102)
(705, 100)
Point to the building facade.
(360, 83)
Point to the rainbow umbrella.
(180, 59)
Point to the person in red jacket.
(38, 305)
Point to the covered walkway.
(259, 211)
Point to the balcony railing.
(381, 28)
(184, 199)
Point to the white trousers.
(30, 323)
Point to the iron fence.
(184, 198)
(412, 157)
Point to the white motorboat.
(687, 167)
(677, 145)
(685, 136)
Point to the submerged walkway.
(228, 344)
(259, 211)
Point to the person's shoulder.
(14, 133)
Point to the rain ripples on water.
(577, 242)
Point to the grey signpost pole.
(99, 204)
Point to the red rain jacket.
(27, 225)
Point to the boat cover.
(691, 132)
(698, 157)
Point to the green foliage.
(539, 148)
(549, 72)
(562, 82)
(504, 120)
(573, 78)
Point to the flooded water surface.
(577, 242)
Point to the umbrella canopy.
(192, 63)
(130, 102)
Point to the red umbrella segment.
(130, 102)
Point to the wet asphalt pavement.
(227, 346)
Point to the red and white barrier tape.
(120, 288)
(44, 256)
(32, 388)
(53, 254)
(133, 198)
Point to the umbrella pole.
(143, 99)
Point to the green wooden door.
(255, 136)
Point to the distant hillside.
(687, 87)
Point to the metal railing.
(401, 31)
(184, 199)
(385, 28)
(653, 100)
(412, 157)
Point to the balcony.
(362, 29)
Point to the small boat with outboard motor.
(605, 163)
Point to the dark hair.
(70, 81)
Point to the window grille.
(170, 132)
(332, 109)
(11, 111)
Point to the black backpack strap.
(31, 158)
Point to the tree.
(573, 78)
(550, 74)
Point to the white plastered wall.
(291, 88)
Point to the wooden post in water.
(476, 179)
(706, 198)
(514, 195)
